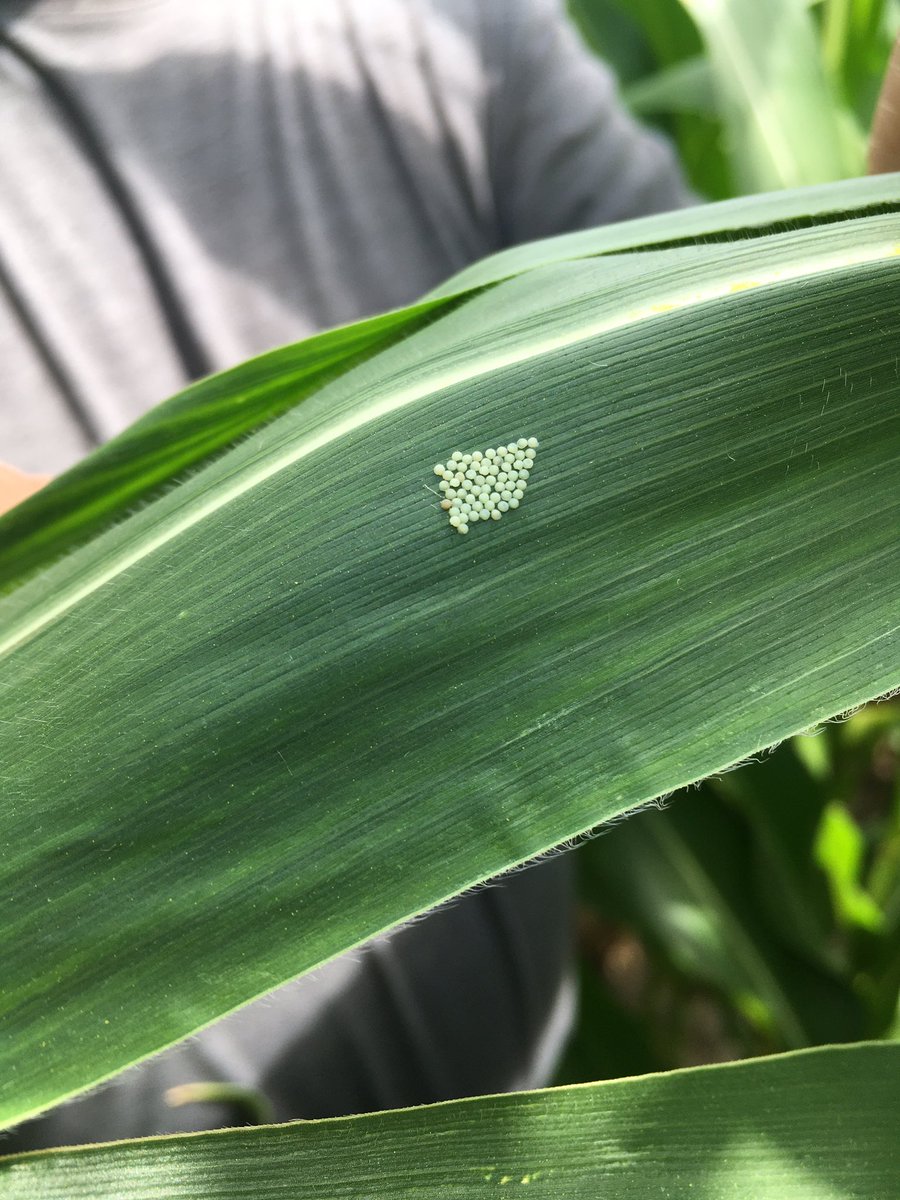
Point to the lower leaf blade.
(800, 1126)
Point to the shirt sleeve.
(565, 153)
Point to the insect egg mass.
(484, 485)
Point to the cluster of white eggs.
(483, 486)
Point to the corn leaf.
(284, 706)
(795, 1127)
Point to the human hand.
(16, 485)
(884, 147)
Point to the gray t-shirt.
(185, 185)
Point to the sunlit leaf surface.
(799, 1127)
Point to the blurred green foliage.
(756, 94)
(761, 911)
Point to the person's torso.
(189, 186)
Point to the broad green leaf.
(725, 221)
(807, 1126)
(785, 124)
(284, 706)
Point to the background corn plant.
(757, 96)
(716, 396)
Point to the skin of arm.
(884, 146)
(16, 486)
